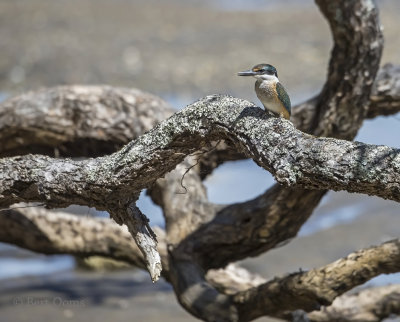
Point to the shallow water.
(42, 265)
(3, 96)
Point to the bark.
(53, 233)
(358, 42)
(47, 232)
(276, 216)
(293, 157)
(369, 305)
(309, 290)
(93, 120)
(286, 152)
(77, 120)
(233, 279)
(191, 285)
(385, 97)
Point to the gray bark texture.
(137, 142)
(370, 305)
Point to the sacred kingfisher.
(268, 89)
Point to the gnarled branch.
(77, 120)
(369, 305)
(385, 97)
(294, 158)
(309, 290)
(113, 182)
(48, 232)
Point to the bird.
(269, 90)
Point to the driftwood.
(308, 155)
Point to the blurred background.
(180, 50)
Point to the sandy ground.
(180, 50)
(171, 48)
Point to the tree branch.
(58, 121)
(358, 43)
(385, 97)
(309, 290)
(349, 81)
(277, 215)
(47, 232)
(370, 305)
(77, 120)
(250, 228)
(294, 158)
(146, 240)
(60, 99)
(55, 233)
(272, 144)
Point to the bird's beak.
(247, 73)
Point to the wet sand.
(171, 48)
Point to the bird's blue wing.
(284, 97)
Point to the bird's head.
(262, 71)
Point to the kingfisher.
(269, 90)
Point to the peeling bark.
(146, 240)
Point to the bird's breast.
(266, 93)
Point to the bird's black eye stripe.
(264, 69)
